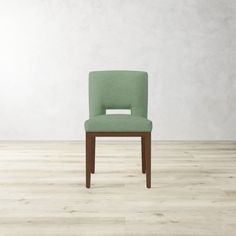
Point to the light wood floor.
(42, 190)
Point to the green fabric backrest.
(118, 90)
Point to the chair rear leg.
(93, 148)
(88, 160)
(143, 155)
(148, 158)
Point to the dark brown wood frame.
(146, 152)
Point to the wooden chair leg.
(143, 155)
(88, 160)
(93, 148)
(148, 158)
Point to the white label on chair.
(118, 111)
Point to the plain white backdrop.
(47, 48)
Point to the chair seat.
(118, 123)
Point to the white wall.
(48, 47)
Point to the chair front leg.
(88, 160)
(147, 138)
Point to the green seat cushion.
(118, 123)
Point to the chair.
(118, 90)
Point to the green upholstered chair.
(118, 90)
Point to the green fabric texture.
(118, 90)
(118, 123)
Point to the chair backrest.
(118, 90)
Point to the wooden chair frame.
(146, 152)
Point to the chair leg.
(93, 148)
(143, 155)
(88, 160)
(148, 158)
